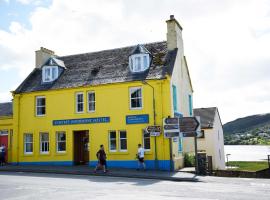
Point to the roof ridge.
(10, 102)
(105, 50)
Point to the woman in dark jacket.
(101, 156)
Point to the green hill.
(250, 130)
(248, 123)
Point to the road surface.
(22, 186)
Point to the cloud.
(5, 97)
(226, 42)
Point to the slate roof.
(103, 67)
(207, 116)
(6, 109)
(140, 49)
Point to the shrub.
(189, 160)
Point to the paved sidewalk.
(113, 172)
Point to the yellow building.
(69, 105)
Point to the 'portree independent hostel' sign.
(81, 121)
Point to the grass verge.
(248, 165)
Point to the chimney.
(42, 56)
(174, 34)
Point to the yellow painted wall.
(111, 100)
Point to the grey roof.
(207, 116)
(140, 49)
(103, 67)
(59, 62)
(6, 109)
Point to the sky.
(226, 42)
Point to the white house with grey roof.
(211, 143)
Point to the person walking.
(101, 156)
(140, 157)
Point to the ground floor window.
(123, 140)
(117, 140)
(112, 142)
(44, 143)
(146, 141)
(28, 143)
(61, 141)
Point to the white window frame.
(88, 101)
(24, 143)
(132, 62)
(57, 141)
(37, 98)
(144, 142)
(120, 140)
(131, 89)
(41, 142)
(50, 78)
(113, 150)
(76, 101)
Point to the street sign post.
(188, 124)
(190, 127)
(189, 134)
(171, 127)
(154, 130)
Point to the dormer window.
(49, 73)
(139, 60)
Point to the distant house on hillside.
(211, 142)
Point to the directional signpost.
(188, 125)
(171, 127)
(153, 130)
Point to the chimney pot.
(43, 55)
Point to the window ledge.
(40, 115)
(136, 108)
(118, 153)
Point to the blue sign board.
(137, 119)
(81, 121)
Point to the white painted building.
(212, 142)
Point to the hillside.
(246, 123)
(248, 130)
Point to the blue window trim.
(180, 144)
(190, 104)
(174, 88)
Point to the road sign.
(188, 124)
(171, 127)
(189, 134)
(171, 134)
(174, 120)
(153, 130)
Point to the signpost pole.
(196, 156)
(171, 156)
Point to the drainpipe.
(19, 117)
(154, 113)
